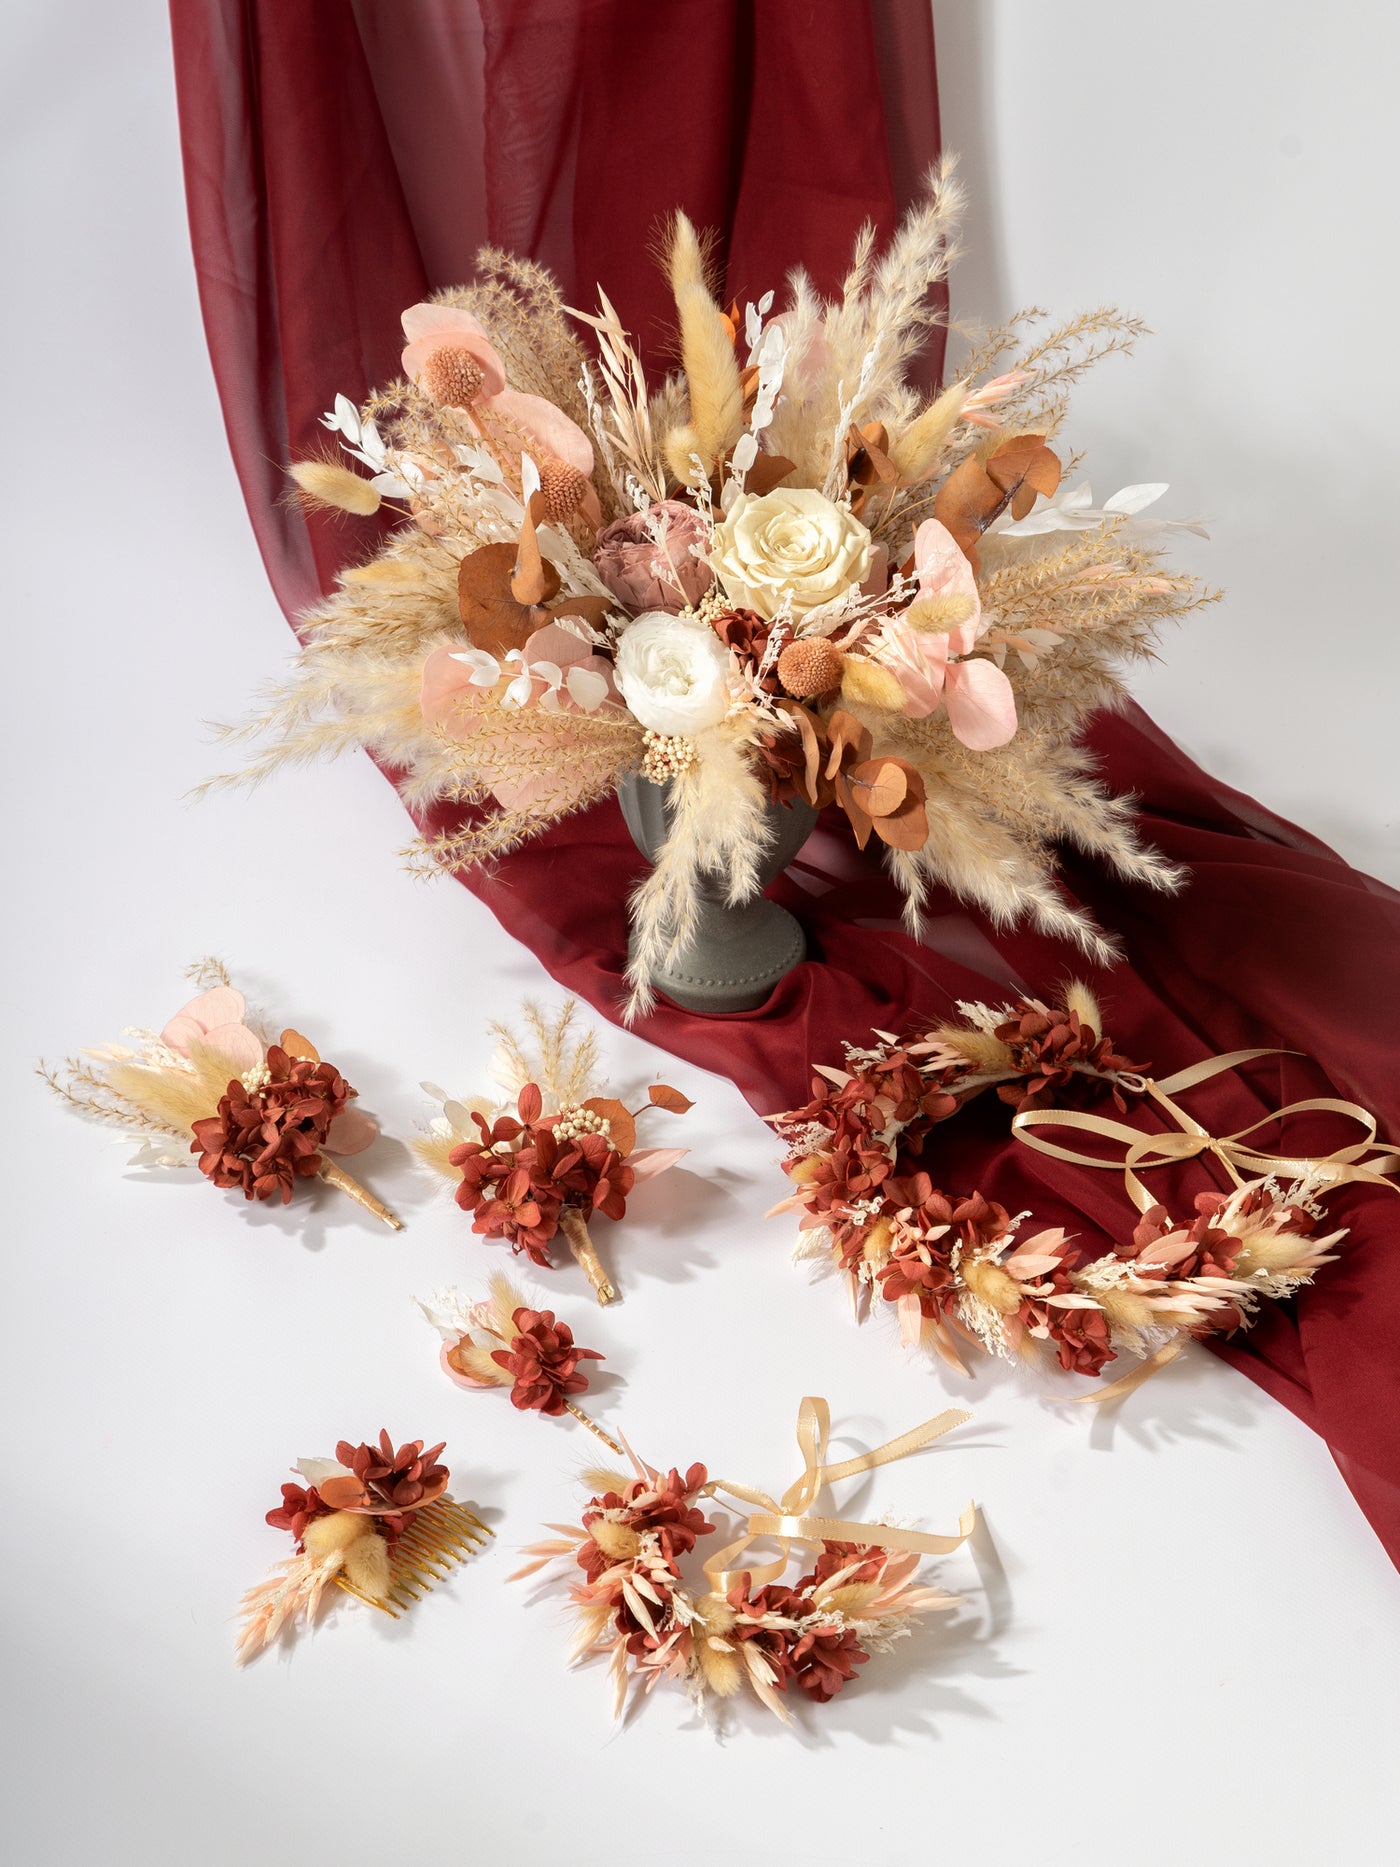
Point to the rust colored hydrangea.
(520, 1175)
(543, 1359)
(663, 1507)
(406, 1476)
(299, 1507)
(263, 1140)
(818, 1655)
(1062, 1060)
(745, 631)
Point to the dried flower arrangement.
(375, 1521)
(778, 574)
(950, 1263)
(265, 1116)
(566, 1153)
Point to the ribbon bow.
(788, 1520)
(1367, 1160)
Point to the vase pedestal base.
(737, 954)
(736, 959)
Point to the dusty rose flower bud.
(646, 575)
(812, 667)
(452, 377)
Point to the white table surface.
(1180, 1637)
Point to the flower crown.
(951, 1264)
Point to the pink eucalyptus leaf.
(561, 646)
(221, 1005)
(351, 1132)
(648, 1162)
(941, 565)
(879, 579)
(550, 429)
(438, 327)
(981, 705)
(423, 320)
(237, 1043)
(445, 681)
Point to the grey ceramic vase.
(739, 953)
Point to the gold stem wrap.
(788, 1521)
(1366, 1160)
(345, 1183)
(571, 1224)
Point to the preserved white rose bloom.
(672, 674)
(789, 551)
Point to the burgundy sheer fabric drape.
(343, 158)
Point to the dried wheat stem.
(594, 1427)
(572, 1226)
(339, 1178)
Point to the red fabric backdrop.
(340, 158)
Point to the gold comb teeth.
(441, 1536)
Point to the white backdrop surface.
(1179, 1634)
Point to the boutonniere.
(257, 1114)
(554, 1153)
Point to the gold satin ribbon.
(1367, 1160)
(787, 1519)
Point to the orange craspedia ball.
(453, 377)
(810, 667)
(563, 488)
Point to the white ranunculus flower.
(789, 550)
(671, 673)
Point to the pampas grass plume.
(916, 451)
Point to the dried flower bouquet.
(778, 573)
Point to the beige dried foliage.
(169, 1099)
(915, 451)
